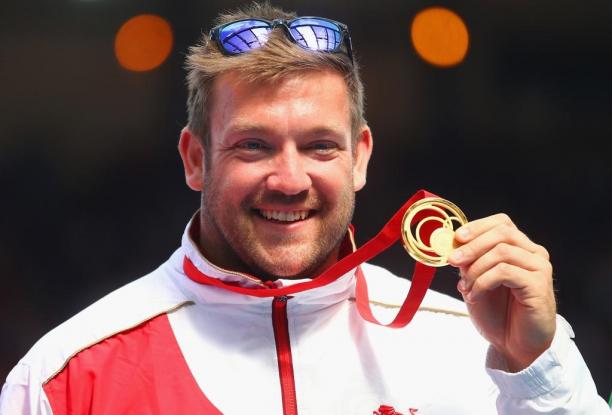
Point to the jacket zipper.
(283, 353)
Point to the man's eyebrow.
(258, 130)
(323, 132)
(254, 129)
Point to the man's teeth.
(284, 216)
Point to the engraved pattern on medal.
(431, 247)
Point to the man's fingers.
(504, 274)
(502, 253)
(477, 227)
(484, 242)
(541, 251)
(494, 253)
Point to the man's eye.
(324, 147)
(251, 145)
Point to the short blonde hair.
(278, 58)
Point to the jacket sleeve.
(23, 394)
(557, 382)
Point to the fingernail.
(463, 232)
(469, 297)
(462, 285)
(457, 255)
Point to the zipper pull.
(279, 303)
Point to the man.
(277, 145)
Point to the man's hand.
(507, 285)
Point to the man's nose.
(289, 175)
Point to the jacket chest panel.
(232, 358)
(341, 363)
(427, 365)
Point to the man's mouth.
(285, 216)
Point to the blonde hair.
(278, 58)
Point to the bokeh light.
(439, 36)
(143, 42)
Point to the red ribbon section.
(390, 233)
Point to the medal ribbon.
(389, 234)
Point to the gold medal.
(424, 245)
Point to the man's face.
(278, 194)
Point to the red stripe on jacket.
(141, 370)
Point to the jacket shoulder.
(121, 310)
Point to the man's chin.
(293, 259)
(275, 271)
(290, 266)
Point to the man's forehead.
(304, 92)
(234, 81)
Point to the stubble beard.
(238, 247)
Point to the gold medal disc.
(445, 216)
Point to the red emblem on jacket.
(389, 410)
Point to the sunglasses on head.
(312, 33)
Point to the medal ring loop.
(431, 209)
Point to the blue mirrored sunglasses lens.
(316, 34)
(240, 37)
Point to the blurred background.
(497, 106)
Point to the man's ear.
(192, 153)
(363, 151)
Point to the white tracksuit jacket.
(165, 344)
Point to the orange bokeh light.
(143, 42)
(440, 36)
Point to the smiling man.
(278, 186)
(245, 316)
